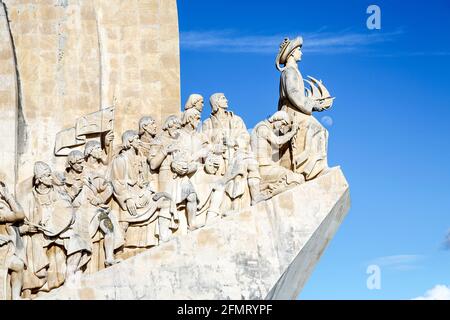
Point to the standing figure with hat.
(307, 152)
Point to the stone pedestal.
(266, 251)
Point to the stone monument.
(109, 191)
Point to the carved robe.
(11, 247)
(226, 127)
(265, 144)
(127, 177)
(47, 251)
(311, 141)
(96, 193)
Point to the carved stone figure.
(242, 174)
(149, 146)
(194, 101)
(54, 239)
(73, 175)
(227, 131)
(267, 138)
(12, 253)
(176, 166)
(210, 184)
(193, 140)
(307, 153)
(139, 204)
(94, 205)
(223, 127)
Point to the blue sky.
(389, 128)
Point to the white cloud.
(401, 262)
(439, 292)
(319, 42)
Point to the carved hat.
(286, 48)
(40, 169)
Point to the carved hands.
(109, 138)
(131, 207)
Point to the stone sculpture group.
(110, 203)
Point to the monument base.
(264, 252)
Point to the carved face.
(135, 142)
(46, 179)
(77, 165)
(199, 105)
(151, 128)
(281, 126)
(97, 153)
(222, 102)
(174, 130)
(212, 164)
(297, 54)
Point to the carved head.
(212, 163)
(147, 124)
(130, 139)
(279, 120)
(75, 161)
(191, 116)
(218, 100)
(194, 101)
(42, 174)
(172, 126)
(289, 48)
(93, 149)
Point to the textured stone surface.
(75, 57)
(266, 251)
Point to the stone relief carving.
(307, 153)
(12, 253)
(112, 202)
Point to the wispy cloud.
(318, 42)
(438, 292)
(446, 243)
(402, 262)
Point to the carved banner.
(93, 123)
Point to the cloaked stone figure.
(307, 153)
(95, 206)
(176, 166)
(227, 131)
(12, 253)
(93, 210)
(267, 138)
(191, 138)
(210, 185)
(139, 204)
(57, 247)
(223, 127)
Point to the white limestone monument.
(109, 191)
